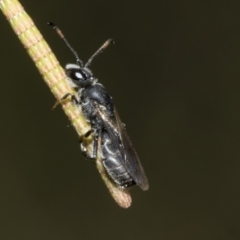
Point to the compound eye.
(77, 74)
(80, 77)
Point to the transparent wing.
(132, 162)
(122, 142)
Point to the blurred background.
(175, 77)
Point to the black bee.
(110, 138)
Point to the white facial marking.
(72, 66)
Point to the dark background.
(175, 77)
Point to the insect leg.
(83, 147)
(97, 135)
(73, 99)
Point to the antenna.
(99, 51)
(79, 61)
(59, 32)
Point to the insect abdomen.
(117, 172)
(113, 164)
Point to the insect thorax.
(95, 94)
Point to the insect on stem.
(110, 145)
